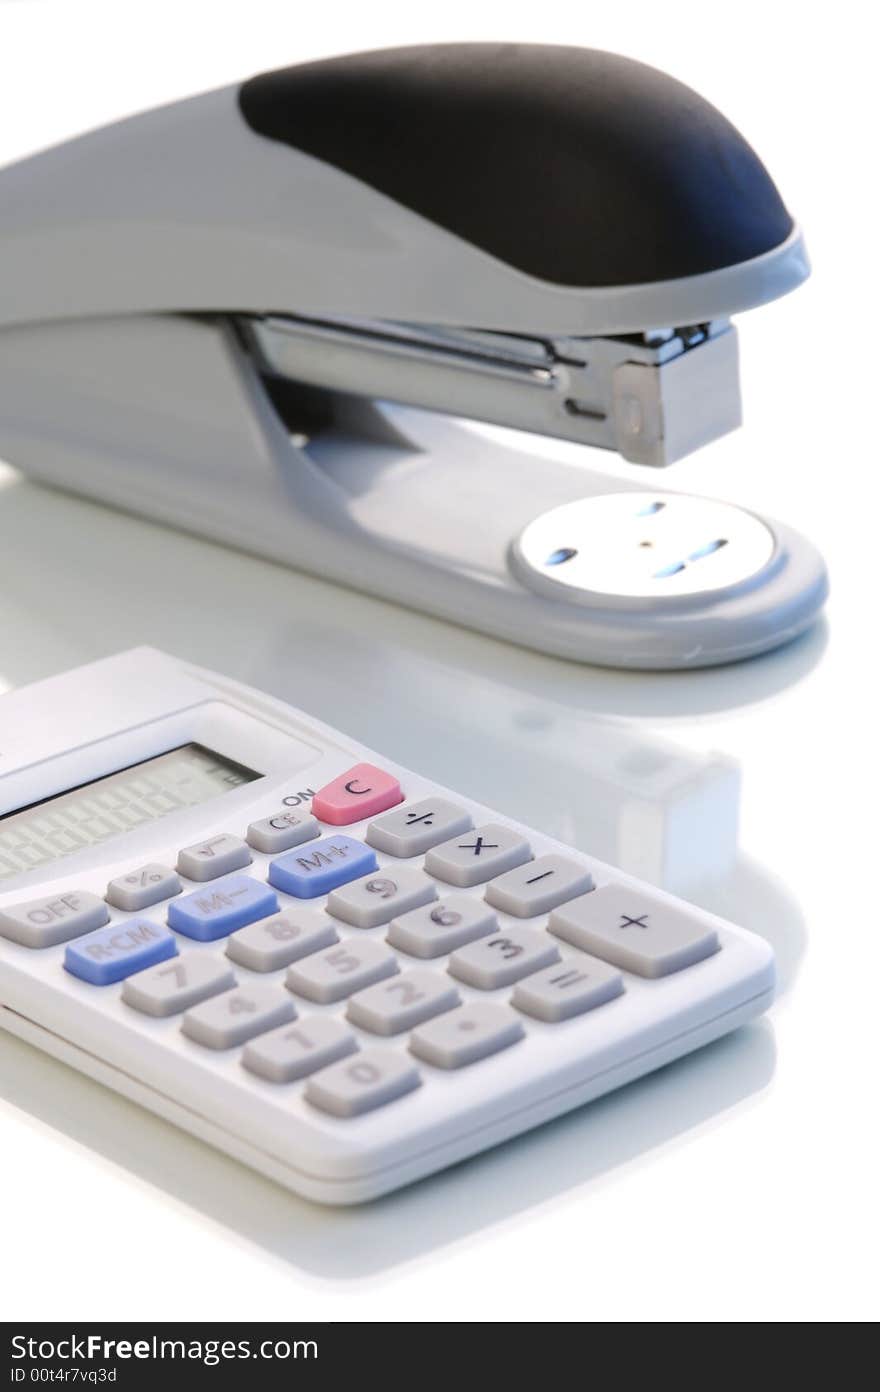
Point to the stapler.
(261, 314)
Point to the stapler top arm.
(542, 237)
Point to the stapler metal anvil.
(206, 309)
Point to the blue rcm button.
(221, 907)
(113, 953)
(332, 861)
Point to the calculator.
(331, 968)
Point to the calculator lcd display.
(108, 807)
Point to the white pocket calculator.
(325, 965)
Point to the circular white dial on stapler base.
(635, 545)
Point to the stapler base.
(170, 417)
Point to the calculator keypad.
(343, 952)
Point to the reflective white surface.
(737, 1184)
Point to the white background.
(738, 1185)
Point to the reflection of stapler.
(201, 307)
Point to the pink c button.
(360, 792)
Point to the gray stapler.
(206, 309)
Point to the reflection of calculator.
(324, 965)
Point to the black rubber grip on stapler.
(578, 167)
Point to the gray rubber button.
(370, 1079)
(140, 888)
(55, 919)
(477, 856)
(466, 1035)
(442, 927)
(281, 831)
(296, 1050)
(273, 943)
(567, 989)
(412, 830)
(634, 932)
(379, 897)
(408, 1000)
(238, 1015)
(176, 985)
(340, 971)
(503, 957)
(216, 856)
(538, 887)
